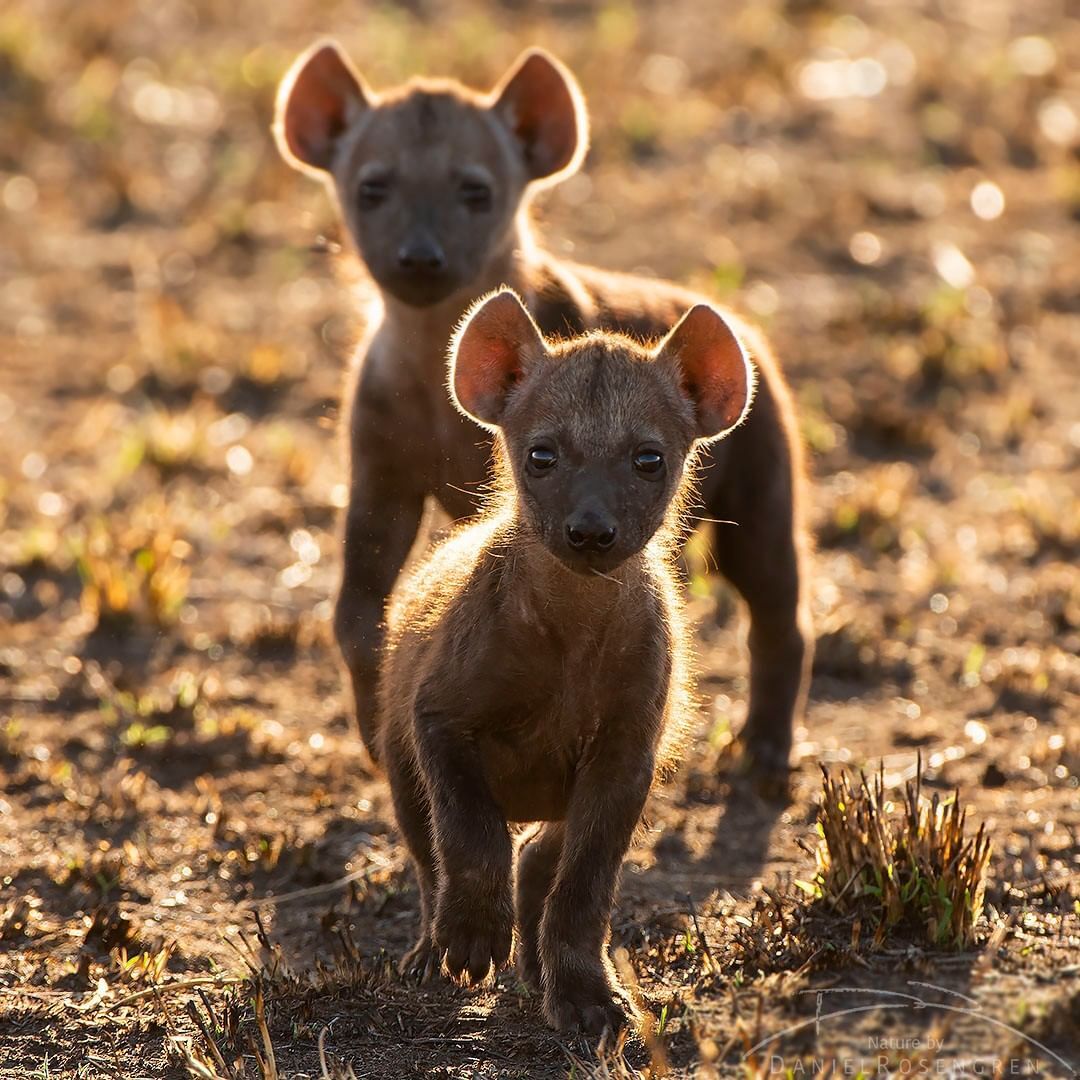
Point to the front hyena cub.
(434, 183)
(535, 660)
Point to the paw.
(588, 1009)
(767, 766)
(421, 962)
(473, 941)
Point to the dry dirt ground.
(893, 190)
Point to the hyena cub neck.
(535, 658)
(432, 178)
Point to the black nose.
(589, 533)
(422, 255)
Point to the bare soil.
(893, 190)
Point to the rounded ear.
(318, 99)
(493, 347)
(541, 103)
(713, 368)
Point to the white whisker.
(621, 584)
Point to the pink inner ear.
(720, 396)
(488, 358)
(714, 369)
(543, 113)
(318, 121)
(486, 369)
(317, 109)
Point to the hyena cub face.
(430, 177)
(599, 431)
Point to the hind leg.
(758, 483)
(413, 812)
(537, 863)
(763, 558)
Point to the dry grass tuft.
(12, 741)
(273, 995)
(15, 919)
(133, 574)
(916, 868)
(209, 1062)
(609, 1064)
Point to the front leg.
(380, 527)
(580, 989)
(474, 915)
(386, 503)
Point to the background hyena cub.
(434, 182)
(534, 668)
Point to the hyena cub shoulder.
(534, 667)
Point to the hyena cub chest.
(553, 698)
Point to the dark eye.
(542, 458)
(648, 461)
(476, 195)
(372, 193)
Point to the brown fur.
(526, 678)
(406, 168)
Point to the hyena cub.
(534, 667)
(434, 182)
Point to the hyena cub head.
(598, 431)
(430, 176)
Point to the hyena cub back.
(535, 659)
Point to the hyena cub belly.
(534, 667)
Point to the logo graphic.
(936, 1061)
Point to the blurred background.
(892, 190)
